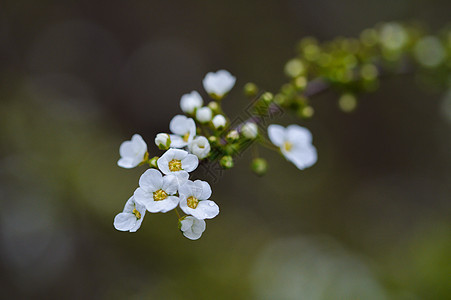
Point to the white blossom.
(219, 121)
(132, 152)
(199, 147)
(131, 217)
(249, 130)
(204, 114)
(194, 200)
(163, 141)
(178, 163)
(295, 143)
(157, 192)
(189, 102)
(192, 228)
(184, 130)
(218, 84)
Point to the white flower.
(192, 228)
(131, 217)
(199, 147)
(219, 121)
(218, 84)
(156, 192)
(189, 102)
(249, 130)
(204, 114)
(178, 162)
(194, 200)
(132, 152)
(163, 141)
(184, 130)
(295, 143)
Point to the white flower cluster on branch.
(167, 186)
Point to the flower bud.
(214, 106)
(189, 102)
(219, 121)
(199, 147)
(153, 162)
(226, 162)
(204, 114)
(250, 89)
(259, 166)
(163, 141)
(233, 135)
(249, 130)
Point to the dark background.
(369, 221)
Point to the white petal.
(127, 163)
(297, 134)
(126, 149)
(138, 143)
(151, 180)
(276, 134)
(177, 141)
(170, 184)
(208, 209)
(124, 221)
(187, 189)
(129, 205)
(204, 188)
(187, 223)
(190, 163)
(302, 157)
(181, 177)
(142, 197)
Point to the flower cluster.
(166, 185)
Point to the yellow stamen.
(287, 146)
(159, 195)
(137, 214)
(192, 202)
(175, 165)
(186, 137)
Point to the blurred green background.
(369, 221)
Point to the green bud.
(279, 99)
(307, 112)
(259, 166)
(153, 162)
(347, 102)
(300, 82)
(233, 135)
(214, 106)
(212, 139)
(294, 68)
(250, 89)
(226, 162)
(267, 97)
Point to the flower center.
(159, 195)
(287, 146)
(175, 165)
(186, 137)
(192, 202)
(137, 214)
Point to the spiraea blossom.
(179, 163)
(295, 143)
(192, 228)
(218, 84)
(194, 200)
(189, 102)
(157, 192)
(199, 147)
(131, 217)
(132, 152)
(183, 129)
(219, 121)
